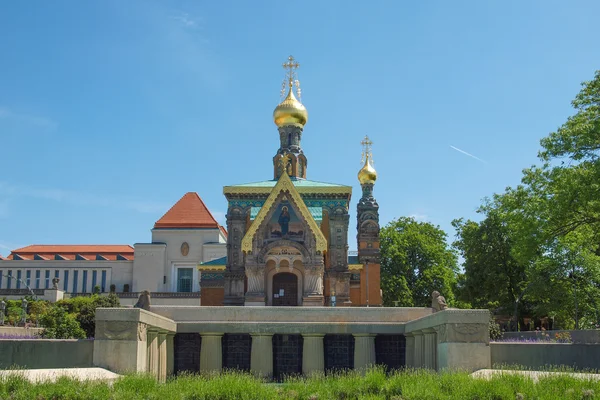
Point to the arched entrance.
(285, 289)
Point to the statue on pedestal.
(438, 302)
(143, 301)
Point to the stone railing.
(449, 339)
(161, 295)
(21, 292)
(134, 340)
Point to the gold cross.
(291, 65)
(366, 154)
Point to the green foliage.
(97, 289)
(495, 331)
(375, 384)
(59, 324)
(541, 240)
(84, 309)
(415, 261)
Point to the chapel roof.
(189, 212)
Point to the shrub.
(495, 331)
(126, 288)
(97, 289)
(113, 288)
(58, 324)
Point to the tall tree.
(492, 277)
(554, 216)
(415, 261)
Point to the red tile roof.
(189, 212)
(222, 228)
(70, 252)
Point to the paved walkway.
(82, 374)
(534, 375)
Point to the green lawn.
(374, 385)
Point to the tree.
(493, 278)
(86, 315)
(58, 324)
(554, 217)
(415, 261)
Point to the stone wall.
(537, 355)
(213, 296)
(46, 353)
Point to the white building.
(185, 236)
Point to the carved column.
(430, 348)
(313, 354)
(211, 355)
(364, 351)
(261, 356)
(234, 276)
(255, 296)
(170, 353)
(410, 350)
(340, 285)
(152, 357)
(313, 285)
(162, 356)
(418, 355)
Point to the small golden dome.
(290, 112)
(367, 173)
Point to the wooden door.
(285, 289)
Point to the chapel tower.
(290, 116)
(367, 227)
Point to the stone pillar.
(430, 348)
(170, 353)
(261, 357)
(152, 357)
(162, 356)
(255, 296)
(418, 356)
(211, 355)
(410, 350)
(313, 354)
(364, 350)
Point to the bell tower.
(290, 116)
(368, 230)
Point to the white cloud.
(468, 154)
(419, 217)
(185, 20)
(28, 119)
(80, 198)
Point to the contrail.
(468, 154)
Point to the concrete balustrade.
(211, 352)
(313, 354)
(134, 340)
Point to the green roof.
(298, 182)
(216, 261)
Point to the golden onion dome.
(367, 174)
(290, 112)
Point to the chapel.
(287, 242)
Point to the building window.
(84, 283)
(37, 279)
(66, 282)
(19, 279)
(9, 280)
(47, 276)
(28, 275)
(184, 279)
(94, 279)
(103, 281)
(75, 276)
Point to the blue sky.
(111, 110)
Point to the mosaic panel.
(339, 352)
(287, 356)
(236, 351)
(390, 351)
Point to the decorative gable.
(284, 188)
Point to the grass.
(405, 385)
